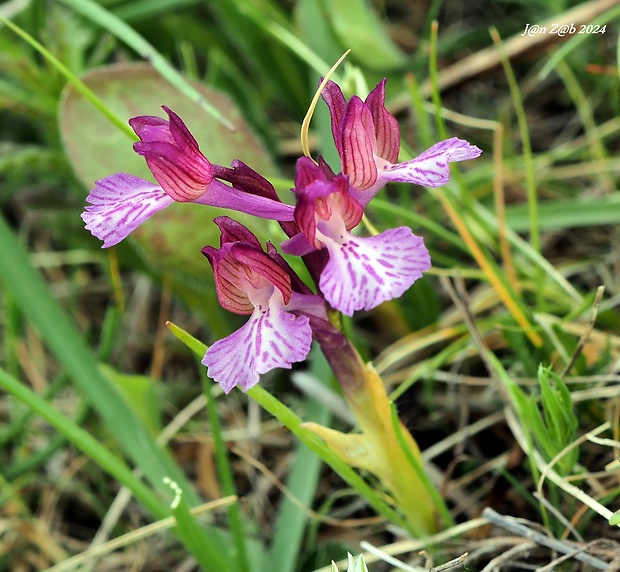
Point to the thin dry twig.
(566, 450)
(460, 560)
(508, 556)
(343, 523)
(557, 561)
(552, 509)
(487, 59)
(404, 546)
(513, 525)
(132, 537)
(461, 301)
(572, 490)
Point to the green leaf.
(540, 430)
(62, 337)
(568, 213)
(139, 392)
(84, 441)
(561, 421)
(358, 27)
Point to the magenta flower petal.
(119, 204)
(387, 130)
(226, 197)
(270, 339)
(173, 155)
(431, 168)
(364, 272)
(333, 96)
(358, 144)
(298, 245)
(150, 129)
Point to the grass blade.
(302, 482)
(109, 462)
(62, 337)
(99, 15)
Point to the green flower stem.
(294, 424)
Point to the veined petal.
(233, 231)
(359, 144)
(364, 272)
(387, 130)
(246, 276)
(268, 340)
(333, 96)
(119, 204)
(173, 156)
(431, 168)
(185, 177)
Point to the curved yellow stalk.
(305, 124)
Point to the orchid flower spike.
(121, 202)
(360, 273)
(250, 281)
(367, 137)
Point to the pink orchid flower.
(367, 137)
(121, 202)
(360, 273)
(253, 282)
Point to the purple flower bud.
(322, 201)
(173, 156)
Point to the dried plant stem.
(513, 525)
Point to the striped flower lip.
(250, 281)
(360, 273)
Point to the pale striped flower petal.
(119, 204)
(364, 272)
(270, 339)
(431, 168)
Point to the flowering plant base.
(350, 272)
